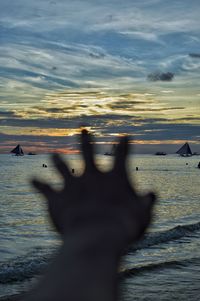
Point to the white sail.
(185, 150)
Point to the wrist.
(106, 239)
(91, 264)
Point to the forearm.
(93, 271)
(85, 269)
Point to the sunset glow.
(132, 69)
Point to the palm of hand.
(101, 200)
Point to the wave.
(157, 266)
(26, 267)
(156, 238)
(33, 263)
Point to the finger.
(149, 200)
(121, 155)
(87, 149)
(61, 166)
(54, 205)
(152, 197)
(45, 189)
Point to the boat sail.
(18, 151)
(185, 150)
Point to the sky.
(116, 67)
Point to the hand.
(103, 204)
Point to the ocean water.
(165, 265)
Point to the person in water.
(98, 215)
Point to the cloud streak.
(69, 62)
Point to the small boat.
(185, 150)
(160, 154)
(196, 154)
(18, 151)
(108, 154)
(112, 152)
(31, 154)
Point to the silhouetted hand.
(98, 204)
(98, 214)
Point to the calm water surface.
(164, 266)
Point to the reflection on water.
(25, 226)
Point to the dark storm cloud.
(195, 55)
(159, 76)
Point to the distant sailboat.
(18, 151)
(160, 154)
(185, 150)
(112, 152)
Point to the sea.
(164, 265)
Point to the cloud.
(159, 76)
(106, 130)
(69, 53)
(58, 65)
(7, 114)
(192, 63)
(147, 36)
(195, 55)
(69, 62)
